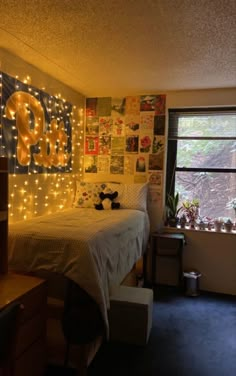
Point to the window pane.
(214, 190)
(206, 153)
(207, 126)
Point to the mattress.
(95, 249)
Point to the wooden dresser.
(31, 292)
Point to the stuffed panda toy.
(107, 197)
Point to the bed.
(95, 249)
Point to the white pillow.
(131, 196)
(87, 194)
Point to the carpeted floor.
(191, 336)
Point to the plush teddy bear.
(107, 197)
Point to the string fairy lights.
(46, 184)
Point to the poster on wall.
(36, 128)
(131, 134)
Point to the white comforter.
(95, 249)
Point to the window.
(201, 160)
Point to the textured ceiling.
(117, 47)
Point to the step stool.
(130, 314)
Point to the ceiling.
(125, 47)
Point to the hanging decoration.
(35, 128)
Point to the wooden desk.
(168, 245)
(31, 292)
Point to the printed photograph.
(103, 164)
(160, 104)
(118, 106)
(132, 106)
(132, 144)
(90, 164)
(104, 145)
(158, 144)
(145, 144)
(155, 178)
(141, 164)
(118, 126)
(146, 121)
(91, 106)
(103, 106)
(117, 145)
(105, 125)
(132, 124)
(147, 102)
(129, 165)
(117, 165)
(156, 161)
(159, 125)
(92, 125)
(91, 145)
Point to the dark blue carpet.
(191, 336)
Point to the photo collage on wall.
(126, 136)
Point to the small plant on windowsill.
(218, 224)
(232, 205)
(172, 210)
(191, 210)
(228, 224)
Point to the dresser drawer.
(33, 361)
(30, 331)
(33, 302)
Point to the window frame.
(172, 141)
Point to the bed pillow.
(87, 194)
(131, 196)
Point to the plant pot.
(228, 227)
(218, 226)
(172, 222)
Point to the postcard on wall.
(91, 145)
(129, 164)
(145, 144)
(90, 164)
(147, 121)
(147, 102)
(132, 106)
(141, 164)
(131, 144)
(159, 125)
(117, 145)
(160, 104)
(158, 144)
(156, 161)
(92, 125)
(117, 164)
(104, 145)
(103, 106)
(118, 106)
(155, 178)
(118, 126)
(103, 164)
(91, 106)
(140, 178)
(132, 124)
(154, 194)
(105, 125)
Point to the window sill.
(188, 229)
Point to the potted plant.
(172, 209)
(232, 205)
(218, 223)
(191, 210)
(228, 225)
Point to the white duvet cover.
(95, 249)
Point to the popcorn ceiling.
(120, 47)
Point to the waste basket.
(191, 282)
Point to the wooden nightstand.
(31, 292)
(167, 245)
